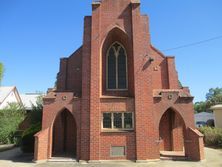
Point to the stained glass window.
(111, 69)
(117, 67)
(122, 69)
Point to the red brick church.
(117, 96)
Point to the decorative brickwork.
(163, 115)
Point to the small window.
(128, 120)
(118, 121)
(118, 151)
(107, 120)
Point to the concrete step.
(173, 155)
(62, 159)
(174, 158)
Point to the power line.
(194, 43)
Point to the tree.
(10, 118)
(200, 106)
(1, 72)
(36, 112)
(28, 139)
(213, 97)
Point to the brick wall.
(85, 100)
(117, 139)
(69, 77)
(41, 145)
(152, 90)
(194, 145)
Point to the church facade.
(117, 96)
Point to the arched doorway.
(171, 132)
(64, 135)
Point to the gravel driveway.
(15, 158)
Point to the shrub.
(212, 136)
(36, 112)
(28, 139)
(35, 115)
(10, 118)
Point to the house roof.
(204, 114)
(29, 99)
(4, 92)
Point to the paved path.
(15, 158)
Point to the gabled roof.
(4, 92)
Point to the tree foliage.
(200, 106)
(1, 72)
(28, 140)
(213, 97)
(36, 112)
(10, 118)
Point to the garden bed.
(212, 137)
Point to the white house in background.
(202, 118)
(9, 95)
(217, 115)
(29, 99)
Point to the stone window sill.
(117, 131)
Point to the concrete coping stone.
(135, 1)
(217, 107)
(96, 2)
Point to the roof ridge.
(7, 92)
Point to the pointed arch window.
(116, 67)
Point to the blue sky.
(35, 34)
